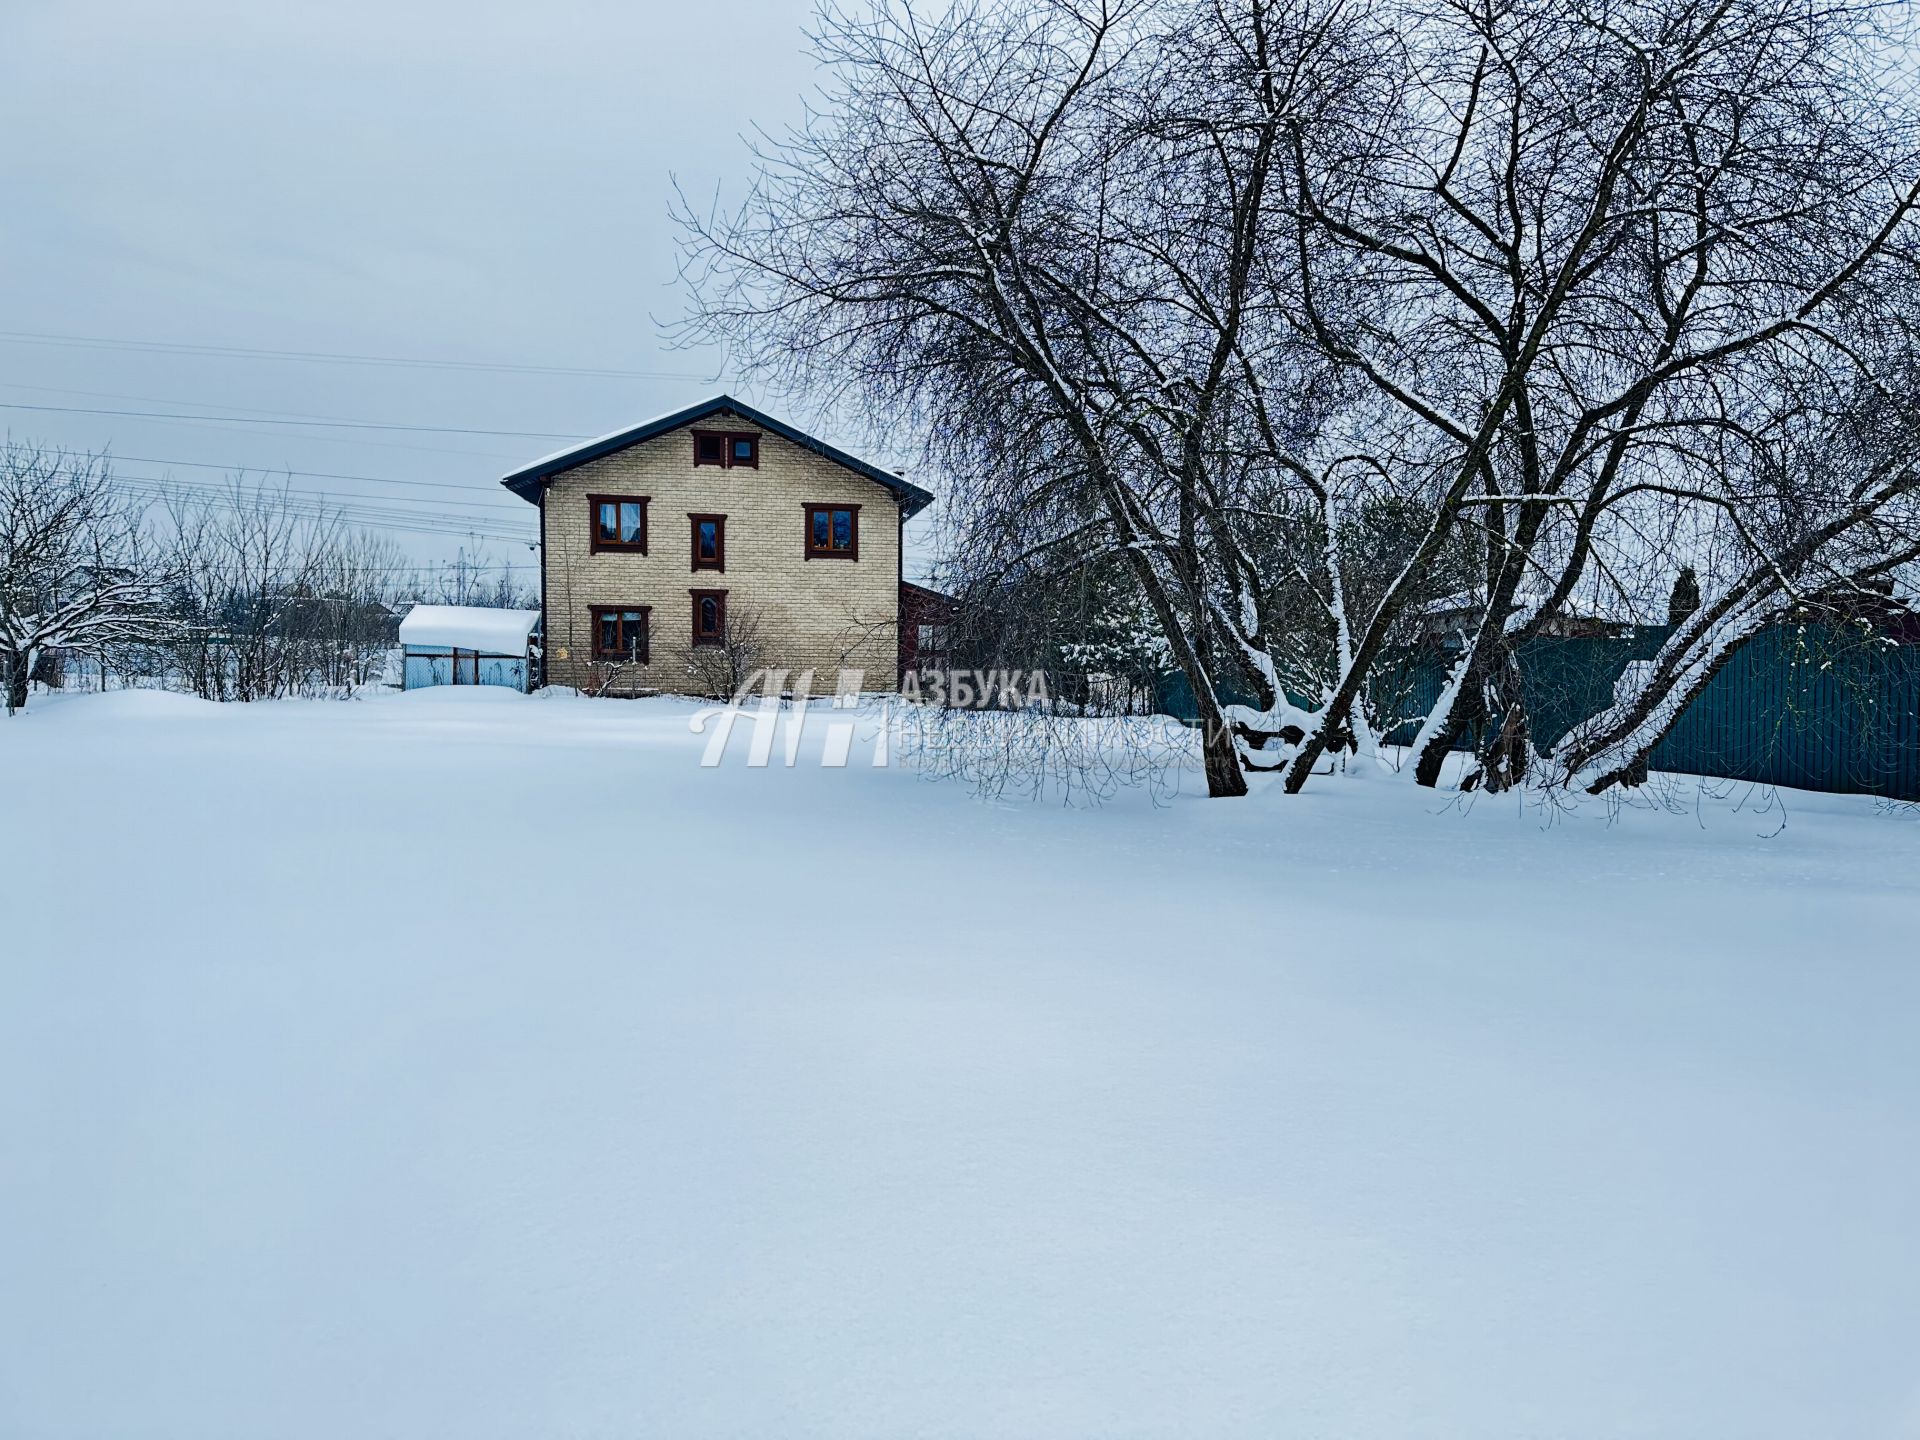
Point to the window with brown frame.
(620, 633)
(709, 617)
(709, 541)
(726, 448)
(833, 532)
(617, 522)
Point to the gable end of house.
(526, 481)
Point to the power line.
(319, 424)
(432, 570)
(318, 505)
(304, 510)
(516, 506)
(503, 514)
(196, 422)
(249, 410)
(401, 527)
(323, 357)
(493, 522)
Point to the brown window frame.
(595, 545)
(727, 438)
(622, 657)
(719, 596)
(694, 521)
(808, 550)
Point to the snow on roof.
(596, 442)
(469, 627)
(526, 481)
(1476, 599)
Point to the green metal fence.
(1820, 708)
(1814, 706)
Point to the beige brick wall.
(819, 614)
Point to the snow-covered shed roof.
(469, 627)
(526, 481)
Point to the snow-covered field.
(462, 1064)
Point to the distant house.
(293, 611)
(467, 645)
(1870, 604)
(926, 628)
(719, 527)
(1449, 621)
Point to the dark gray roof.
(525, 482)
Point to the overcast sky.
(449, 180)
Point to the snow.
(465, 1063)
(469, 627)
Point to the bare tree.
(969, 228)
(273, 599)
(1824, 532)
(353, 620)
(1306, 315)
(74, 571)
(1589, 266)
(724, 668)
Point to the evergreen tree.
(1685, 598)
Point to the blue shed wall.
(428, 665)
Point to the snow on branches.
(73, 573)
(1311, 318)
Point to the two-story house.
(660, 540)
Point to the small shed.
(467, 645)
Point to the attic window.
(726, 448)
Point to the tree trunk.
(1225, 778)
(1427, 766)
(1507, 753)
(1615, 746)
(1505, 759)
(17, 678)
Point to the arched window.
(709, 617)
